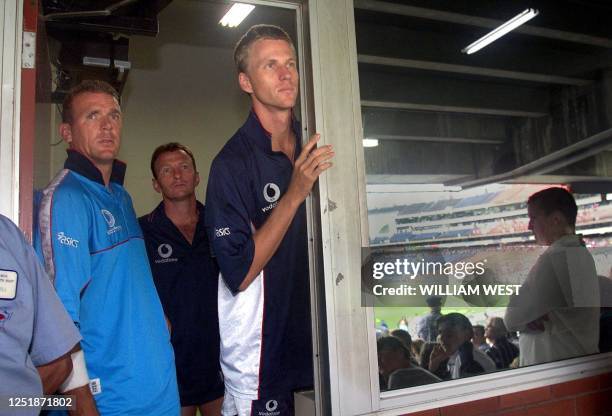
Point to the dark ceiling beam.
(435, 139)
(551, 162)
(471, 70)
(108, 11)
(450, 109)
(127, 25)
(463, 19)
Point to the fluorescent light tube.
(370, 142)
(500, 31)
(236, 14)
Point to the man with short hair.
(186, 278)
(397, 368)
(502, 351)
(94, 253)
(478, 339)
(557, 308)
(464, 359)
(257, 225)
(36, 333)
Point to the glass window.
(465, 275)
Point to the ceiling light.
(500, 31)
(370, 142)
(236, 14)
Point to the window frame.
(351, 334)
(11, 12)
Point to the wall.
(174, 92)
(178, 93)
(590, 396)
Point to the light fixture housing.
(500, 31)
(236, 14)
(370, 142)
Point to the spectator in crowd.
(186, 278)
(424, 357)
(478, 339)
(557, 308)
(502, 351)
(426, 327)
(464, 359)
(403, 336)
(36, 333)
(94, 253)
(397, 368)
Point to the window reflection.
(462, 143)
(559, 318)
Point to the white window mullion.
(10, 81)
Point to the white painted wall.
(178, 93)
(174, 92)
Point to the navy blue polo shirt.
(185, 277)
(266, 346)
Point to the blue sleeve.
(62, 241)
(228, 224)
(53, 333)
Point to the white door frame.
(11, 12)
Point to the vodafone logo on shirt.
(165, 251)
(271, 193)
(272, 409)
(271, 405)
(110, 221)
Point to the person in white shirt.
(557, 309)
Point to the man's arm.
(85, 403)
(308, 166)
(62, 241)
(529, 308)
(54, 373)
(53, 333)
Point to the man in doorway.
(557, 309)
(186, 278)
(257, 224)
(36, 333)
(94, 253)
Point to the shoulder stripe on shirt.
(44, 218)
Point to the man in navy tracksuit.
(257, 226)
(185, 278)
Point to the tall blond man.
(257, 224)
